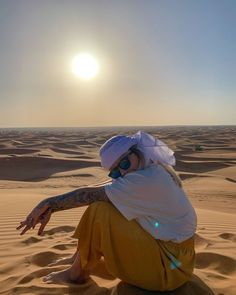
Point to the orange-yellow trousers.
(130, 253)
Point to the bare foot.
(64, 276)
(63, 261)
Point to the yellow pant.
(130, 253)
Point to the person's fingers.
(27, 223)
(22, 223)
(39, 218)
(44, 222)
(29, 220)
(25, 229)
(33, 219)
(36, 218)
(41, 228)
(36, 221)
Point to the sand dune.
(35, 164)
(38, 168)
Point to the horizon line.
(117, 126)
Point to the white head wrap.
(154, 150)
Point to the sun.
(85, 66)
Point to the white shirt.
(153, 198)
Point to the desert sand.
(38, 163)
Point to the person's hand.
(40, 214)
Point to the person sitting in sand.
(141, 223)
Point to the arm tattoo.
(80, 197)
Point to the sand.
(38, 163)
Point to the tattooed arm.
(77, 198)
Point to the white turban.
(154, 150)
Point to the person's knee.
(103, 208)
(101, 212)
(101, 205)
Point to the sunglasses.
(124, 164)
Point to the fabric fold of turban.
(153, 149)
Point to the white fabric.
(154, 150)
(113, 148)
(152, 197)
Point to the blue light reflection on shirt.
(156, 224)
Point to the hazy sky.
(162, 62)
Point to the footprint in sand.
(31, 240)
(62, 247)
(60, 229)
(7, 283)
(43, 258)
(201, 242)
(222, 264)
(228, 236)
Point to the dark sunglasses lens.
(115, 173)
(124, 163)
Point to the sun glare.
(85, 66)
